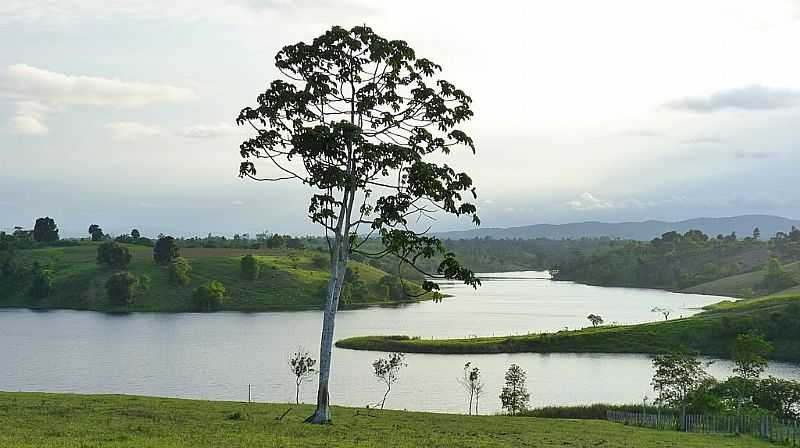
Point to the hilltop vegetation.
(711, 332)
(287, 279)
(59, 420)
(684, 261)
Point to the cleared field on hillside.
(289, 280)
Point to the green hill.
(711, 332)
(59, 420)
(741, 285)
(290, 279)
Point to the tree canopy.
(45, 230)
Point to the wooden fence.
(773, 429)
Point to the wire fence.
(777, 430)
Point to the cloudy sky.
(121, 112)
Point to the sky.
(121, 112)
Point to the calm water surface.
(215, 356)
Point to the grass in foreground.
(58, 420)
(711, 332)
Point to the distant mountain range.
(645, 230)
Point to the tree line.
(678, 261)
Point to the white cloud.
(28, 118)
(208, 131)
(238, 202)
(27, 82)
(126, 130)
(752, 97)
(39, 92)
(587, 201)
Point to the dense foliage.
(45, 230)
(121, 288)
(165, 250)
(209, 297)
(673, 261)
(250, 267)
(180, 272)
(113, 255)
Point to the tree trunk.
(388, 389)
(322, 414)
(297, 393)
(470, 402)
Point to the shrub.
(250, 267)
(41, 281)
(165, 250)
(113, 255)
(179, 271)
(121, 288)
(143, 283)
(209, 297)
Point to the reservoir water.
(215, 356)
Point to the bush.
(121, 288)
(179, 271)
(41, 281)
(209, 297)
(143, 284)
(113, 255)
(250, 267)
(165, 250)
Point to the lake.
(215, 356)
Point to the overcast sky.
(122, 113)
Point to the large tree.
(45, 230)
(361, 121)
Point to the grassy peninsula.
(711, 332)
(59, 420)
(289, 279)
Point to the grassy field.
(57, 420)
(711, 332)
(741, 285)
(289, 280)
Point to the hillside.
(673, 261)
(711, 332)
(642, 231)
(60, 420)
(289, 280)
(741, 285)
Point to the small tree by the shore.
(515, 396)
(387, 370)
(471, 381)
(595, 319)
(749, 355)
(676, 376)
(663, 311)
(301, 364)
